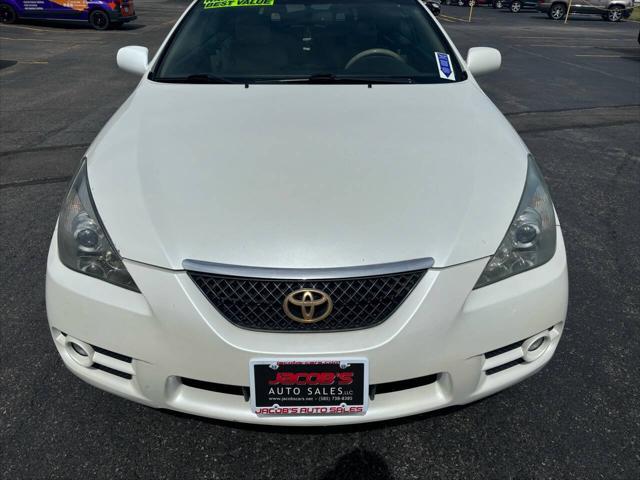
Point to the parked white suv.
(611, 10)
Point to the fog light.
(535, 345)
(79, 351)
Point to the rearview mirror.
(481, 60)
(133, 59)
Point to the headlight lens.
(531, 238)
(83, 243)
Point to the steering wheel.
(373, 51)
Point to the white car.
(269, 231)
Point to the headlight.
(531, 238)
(83, 243)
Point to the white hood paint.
(307, 176)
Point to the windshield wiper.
(324, 78)
(197, 78)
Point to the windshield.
(273, 41)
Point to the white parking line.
(567, 46)
(610, 56)
(450, 18)
(25, 28)
(28, 39)
(47, 40)
(572, 64)
(569, 38)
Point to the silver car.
(611, 10)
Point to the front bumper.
(169, 348)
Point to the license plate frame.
(330, 394)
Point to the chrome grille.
(257, 304)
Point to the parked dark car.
(517, 5)
(465, 3)
(433, 6)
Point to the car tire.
(516, 6)
(557, 11)
(497, 4)
(99, 19)
(7, 14)
(460, 3)
(615, 13)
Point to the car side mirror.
(481, 60)
(133, 59)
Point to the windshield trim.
(308, 80)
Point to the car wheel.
(497, 4)
(558, 11)
(516, 6)
(7, 13)
(99, 20)
(461, 3)
(615, 13)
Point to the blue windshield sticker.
(444, 66)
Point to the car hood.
(307, 176)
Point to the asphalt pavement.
(573, 93)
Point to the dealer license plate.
(309, 386)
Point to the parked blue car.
(100, 14)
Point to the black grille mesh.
(257, 303)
